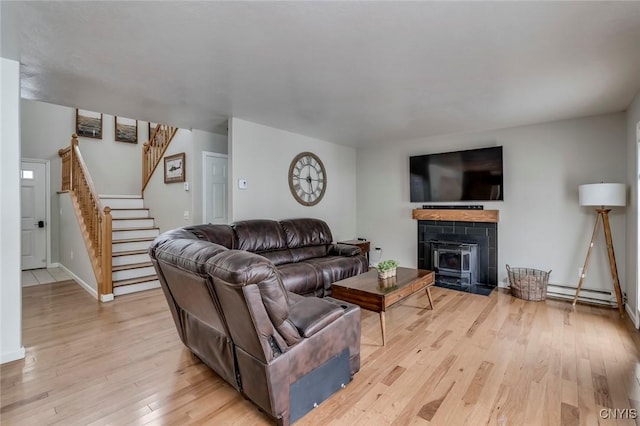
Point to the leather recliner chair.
(284, 352)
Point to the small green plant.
(387, 265)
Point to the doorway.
(34, 213)
(215, 183)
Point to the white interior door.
(33, 207)
(215, 185)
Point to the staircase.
(132, 233)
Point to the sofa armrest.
(312, 314)
(343, 250)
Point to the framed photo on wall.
(88, 124)
(126, 130)
(174, 168)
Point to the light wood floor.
(473, 360)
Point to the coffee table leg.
(382, 326)
(429, 296)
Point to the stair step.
(137, 280)
(132, 223)
(130, 252)
(132, 244)
(136, 287)
(115, 202)
(129, 272)
(133, 266)
(137, 257)
(126, 234)
(129, 213)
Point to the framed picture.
(126, 130)
(152, 128)
(174, 168)
(88, 124)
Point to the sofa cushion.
(336, 268)
(259, 235)
(303, 253)
(278, 257)
(312, 315)
(306, 232)
(302, 278)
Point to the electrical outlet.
(71, 255)
(186, 215)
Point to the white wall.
(73, 251)
(262, 155)
(168, 202)
(115, 166)
(541, 224)
(633, 120)
(10, 290)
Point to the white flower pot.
(387, 274)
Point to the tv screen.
(473, 175)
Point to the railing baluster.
(153, 151)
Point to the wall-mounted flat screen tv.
(472, 175)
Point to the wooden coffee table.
(375, 294)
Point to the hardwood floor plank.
(570, 415)
(472, 360)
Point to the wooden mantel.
(457, 215)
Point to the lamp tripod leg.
(586, 261)
(612, 261)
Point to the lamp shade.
(603, 194)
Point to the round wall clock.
(307, 179)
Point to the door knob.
(40, 224)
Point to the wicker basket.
(527, 283)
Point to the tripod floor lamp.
(603, 195)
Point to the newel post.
(106, 285)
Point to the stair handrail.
(153, 150)
(95, 223)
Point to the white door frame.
(47, 189)
(206, 154)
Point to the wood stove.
(455, 263)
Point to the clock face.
(307, 179)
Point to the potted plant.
(387, 268)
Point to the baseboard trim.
(12, 355)
(80, 281)
(106, 298)
(53, 265)
(634, 318)
(587, 295)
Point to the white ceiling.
(349, 72)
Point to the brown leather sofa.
(301, 250)
(284, 352)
